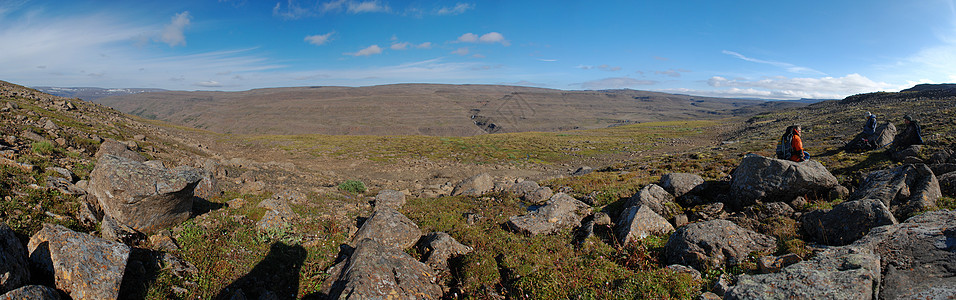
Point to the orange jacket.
(797, 145)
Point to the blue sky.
(763, 49)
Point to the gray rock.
(759, 178)
(773, 264)
(884, 134)
(680, 184)
(776, 209)
(144, 198)
(582, 171)
(912, 152)
(378, 271)
(208, 186)
(602, 219)
(685, 269)
(839, 192)
(714, 243)
(707, 212)
(439, 247)
(560, 212)
(940, 169)
(918, 256)
(389, 227)
(474, 186)
(521, 189)
(905, 190)
(14, 269)
(112, 230)
(84, 266)
(32, 292)
(638, 222)
(656, 198)
(836, 273)
(940, 157)
(273, 220)
(390, 198)
(115, 148)
(709, 296)
(539, 195)
(846, 222)
(947, 184)
(65, 174)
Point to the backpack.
(785, 147)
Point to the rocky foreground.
(771, 229)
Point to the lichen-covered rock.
(836, 273)
(390, 198)
(474, 186)
(905, 190)
(32, 292)
(539, 195)
(714, 243)
(14, 269)
(389, 227)
(115, 148)
(439, 247)
(379, 271)
(638, 222)
(759, 178)
(657, 199)
(560, 212)
(142, 197)
(847, 221)
(85, 266)
(947, 184)
(208, 186)
(680, 184)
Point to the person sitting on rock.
(910, 135)
(791, 146)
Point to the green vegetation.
(44, 148)
(352, 186)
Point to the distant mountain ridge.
(92, 93)
(421, 109)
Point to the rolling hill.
(423, 109)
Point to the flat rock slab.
(837, 273)
(85, 266)
(560, 212)
(379, 271)
(32, 292)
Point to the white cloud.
(461, 51)
(459, 8)
(400, 46)
(371, 50)
(468, 38)
(492, 37)
(209, 83)
(615, 83)
(546, 60)
(319, 39)
(172, 34)
(604, 67)
(795, 88)
(425, 45)
(672, 72)
(788, 66)
(292, 10)
(353, 7)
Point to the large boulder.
(474, 186)
(638, 222)
(905, 190)
(389, 227)
(142, 197)
(85, 266)
(713, 243)
(32, 292)
(560, 212)
(884, 135)
(759, 178)
(836, 273)
(379, 271)
(112, 147)
(14, 269)
(657, 199)
(680, 184)
(846, 222)
(918, 256)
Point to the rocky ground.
(100, 205)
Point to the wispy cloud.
(209, 83)
(292, 10)
(370, 50)
(788, 66)
(319, 39)
(458, 9)
(603, 67)
(546, 60)
(461, 51)
(353, 7)
(672, 72)
(615, 83)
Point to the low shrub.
(352, 186)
